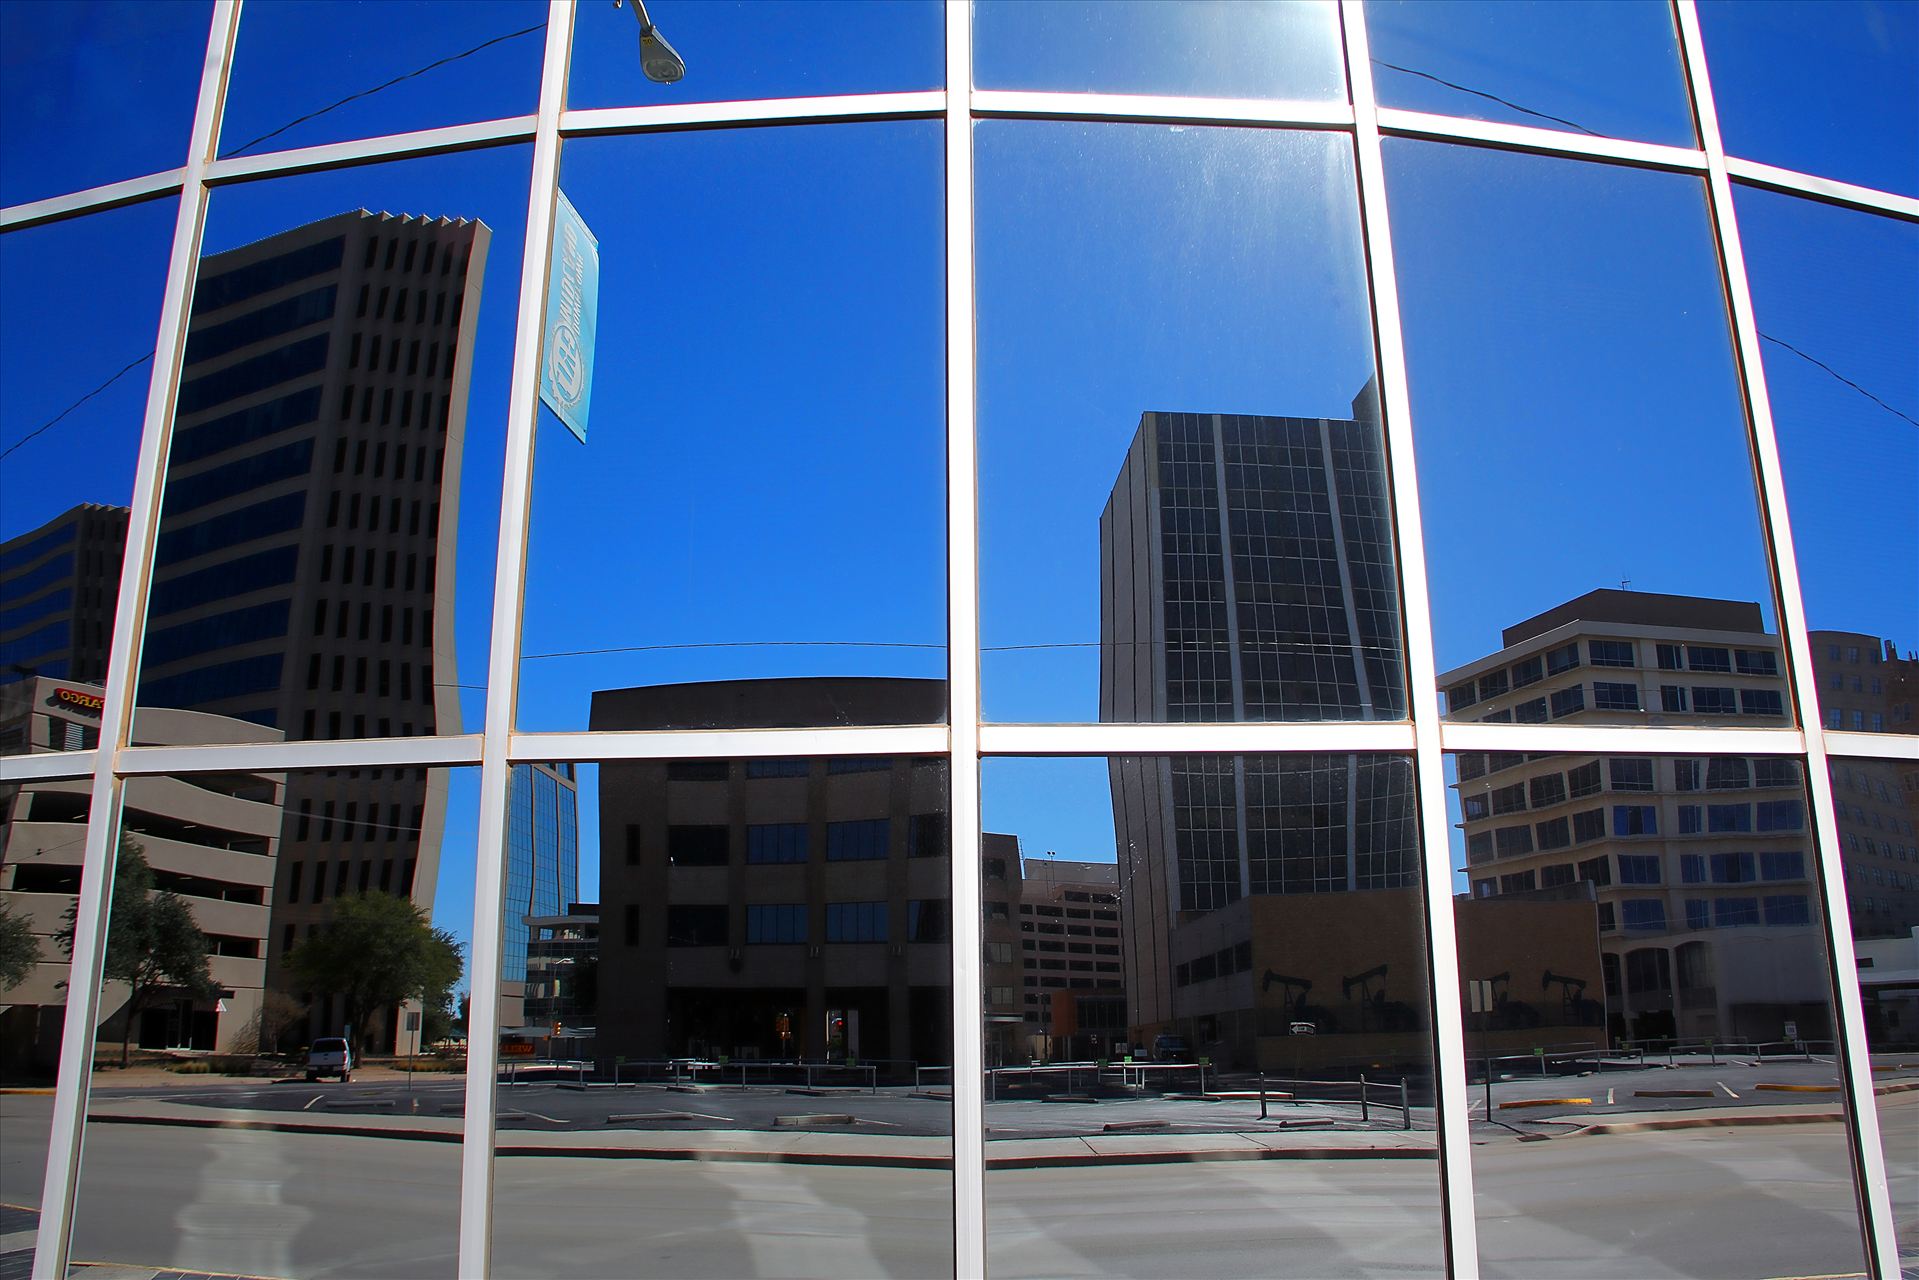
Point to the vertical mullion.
(88, 953)
(1869, 1163)
(483, 1010)
(962, 622)
(1449, 1037)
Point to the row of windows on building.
(347, 823)
(1610, 653)
(773, 843)
(1765, 816)
(721, 770)
(785, 923)
(1223, 963)
(378, 305)
(345, 881)
(1734, 867)
(434, 411)
(1648, 915)
(1625, 773)
(395, 508)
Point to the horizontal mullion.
(1400, 123)
(113, 195)
(44, 766)
(927, 104)
(1622, 739)
(1793, 182)
(1187, 739)
(359, 151)
(1159, 108)
(1881, 746)
(710, 744)
(280, 757)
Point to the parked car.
(1172, 1049)
(330, 1056)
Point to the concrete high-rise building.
(1866, 687)
(212, 839)
(1072, 979)
(1702, 868)
(59, 587)
(1246, 573)
(304, 566)
(767, 909)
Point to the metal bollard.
(1365, 1111)
(1262, 1095)
(1405, 1107)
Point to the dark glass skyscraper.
(542, 855)
(1247, 574)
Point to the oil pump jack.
(1384, 1014)
(1507, 1013)
(1579, 1011)
(1297, 1008)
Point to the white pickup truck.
(330, 1056)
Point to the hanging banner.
(572, 319)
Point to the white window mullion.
(1449, 1036)
(88, 954)
(963, 685)
(1882, 1249)
(509, 583)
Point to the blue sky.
(766, 458)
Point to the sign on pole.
(572, 319)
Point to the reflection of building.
(1702, 868)
(1246, 574)
(1866, 687)
(1070, 969)
(307, 533)
(1053, 983)
(563, 976)
(542, 870)
(209, 837)
(1889, 986)
(763, 909)
(59, 587)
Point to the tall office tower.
(542, 868)
(59, 585)
(1075, 988)
(1246, 573)
(1702, 868)
(304, 567)
(1866, 687)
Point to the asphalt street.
(1772, 1201)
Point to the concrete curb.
(1707, 1122)
(742, 1155)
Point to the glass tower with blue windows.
(543, 854)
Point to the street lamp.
(657, 58)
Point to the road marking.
(1722, 1085)
(549, 1119)
(318, 1097)
(1609, 1101)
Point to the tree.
(262, 1031)
(153, 944)
(378, 951)
(18, 951)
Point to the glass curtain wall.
(1041, 471)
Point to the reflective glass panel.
(1184, 507)
(757, 999)
(730, 49)
(1649, 1029)
(71, 414)
(93, 93)
(1596, 67)
(1822, 88)
(1584, 472)
(324, 565)
(279, 1065)
(1876, 807)
(1838, 322)
(761, 490)
(1208, 48)
(1218, 965)
(312, 71)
